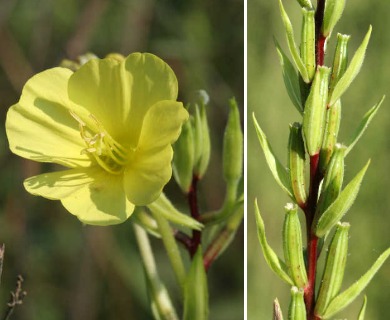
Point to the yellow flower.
(111, 123)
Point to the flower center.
(108, 153)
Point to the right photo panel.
(318, 159)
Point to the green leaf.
(279, 172)
(352, 70)
(292, 45)
(346, 297)
(341, 205)
(196, 292)
(363, 125)
(164, 207)
(363, 309)
(273, 261)
(290, 77)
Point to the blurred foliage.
(267, 97)
(82, 272)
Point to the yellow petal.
(40, 126)
(150, 168)
(91, 194)
(120, 94)
(147, 175)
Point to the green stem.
(172, 249)
(159, 294)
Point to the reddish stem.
(193, 204)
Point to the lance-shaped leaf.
(292, 45)
(273, 261)
(341, 205)
(363, 309)
(334, 268)
(352, 70)
(279, 172)
(290, 78)
(347, 296)
(363, 125)
(165, 208)
(195, 292)
(292, 246)
(297, 309)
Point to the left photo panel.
(121, 160)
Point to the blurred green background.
(82, 272)
(369, 217)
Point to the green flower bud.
(183, 157)
(292, 246)
(305, 4)
(334, 268)
(333, 180)
(332, 14)
(308, 42)
(233, 146)
(332, 125)
(340, 61)
(201, 136)
(315, 111)
(297, 309)
(296, 163)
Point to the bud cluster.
(316, 91)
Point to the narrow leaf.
(363, 125)
(346, 297)
(196, 292)
(273, 261)
(290, 77)
(363, 309)
(352, 70)
(279, 172)
(164, 207)
(292, 45)
(341, 205)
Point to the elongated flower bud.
(315, 111)
(332, 14)
(334, 268)
(292, 245)
(297, 310)
(340, 61)
(296, 163)
(332, 125)
(308, 42)
(233, 146)
(183, 157)
(333, 180)
(305, 4)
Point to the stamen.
(108, 153)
